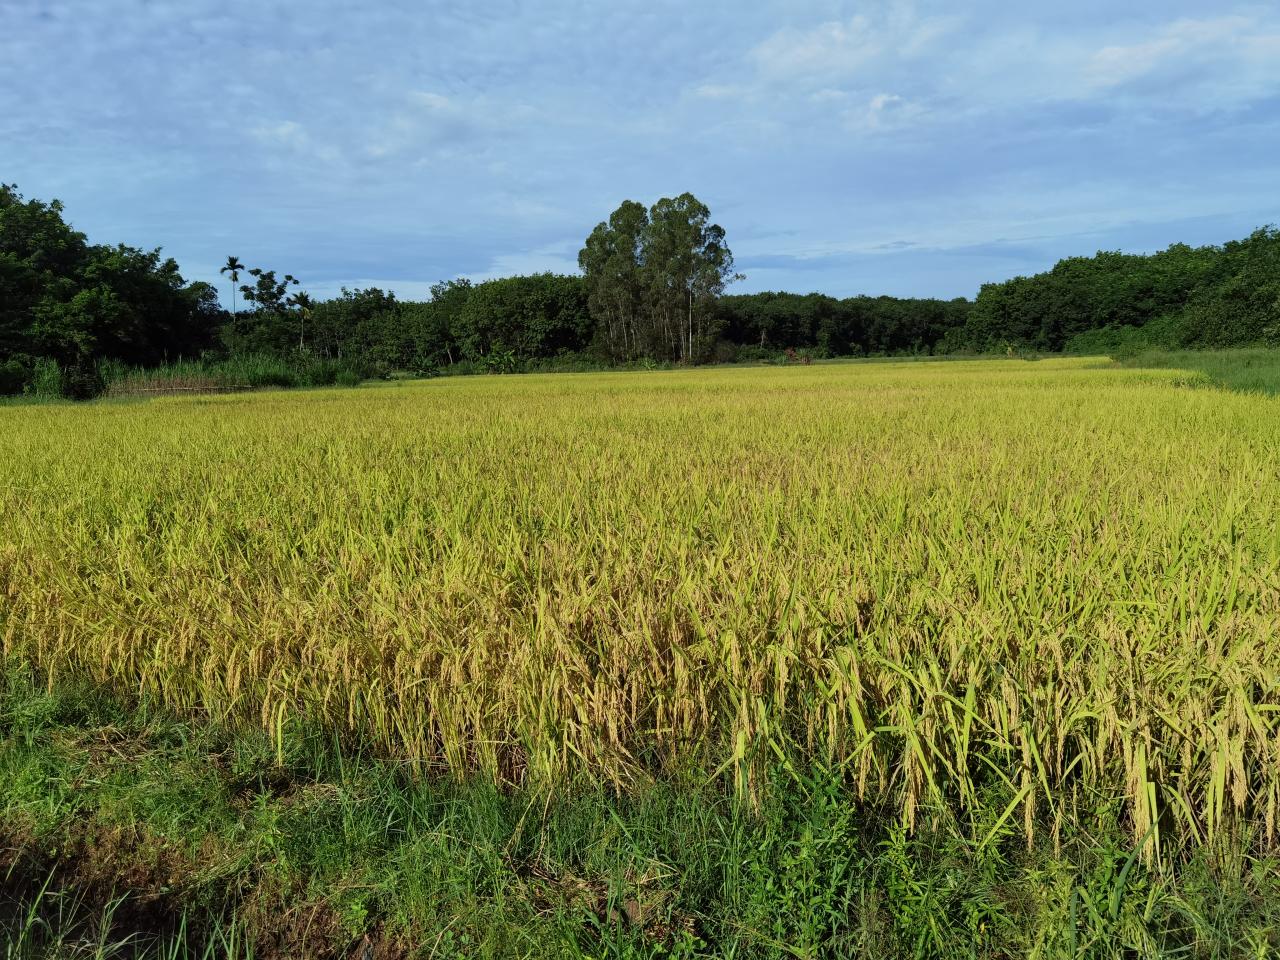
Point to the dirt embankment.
(120, 886)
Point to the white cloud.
(833, 47)
(1193, 65)
(1227, 57)
(286, 133)
(828, 73)
(890, 67)
(885, 111)
(1116, 64)
(427, 124)
(844, 48)
(434, 102)
(829, 95)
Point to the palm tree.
(233, 266)
(304, 304)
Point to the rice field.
(1054, 583)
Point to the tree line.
(652, 289)
(68, 302)
(1182, 297)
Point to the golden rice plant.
(1060, 578)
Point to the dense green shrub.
(81, 379)
(15, 375)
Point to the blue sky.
(876, 147)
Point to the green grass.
(235, 373)
(1248, 369)
(128, 832)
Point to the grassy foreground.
(799, 649)
(126, 832)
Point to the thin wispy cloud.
(852, 147)
(1221, 60)
(838, 49)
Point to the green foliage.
(364, 326)
(65, 299)
(653, 277)
(1239, 302)
(15, 375)
(81, 379)
(611, 260)
(240, 372)
(1179, 298)
(856, 326)
(432, 326)
(257, 370)
(801, 877)
(503, 323)
(277, 321)
(46, 379)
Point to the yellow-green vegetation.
(1248, 369)
(1056, 583)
